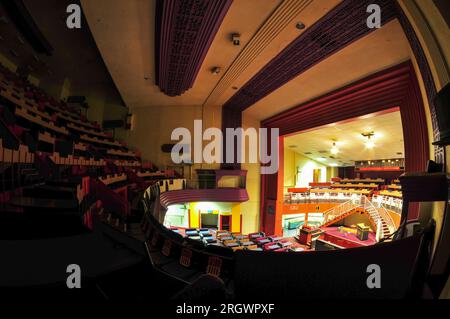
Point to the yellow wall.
(292, 161)
(251, 208)
(153, 127)
(236, 218)
(193, 216)
(224, 208)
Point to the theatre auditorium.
(210, 150)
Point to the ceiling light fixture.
(215, 70)
(369, 143)
(334, 149)
(236, 39)
(300, 25)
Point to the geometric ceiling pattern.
(185, 30)
(340, 27)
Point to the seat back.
(214, 267)
(167, 248)
(155, 238)
(186, 257)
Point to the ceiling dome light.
(334, 149)
(215, 70)
(300, 25)
(369, 143)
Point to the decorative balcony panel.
(227, 195)
(185, 30)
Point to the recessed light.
(300, 25)
(215, 70)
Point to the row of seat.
(55, 129)
(183, 258)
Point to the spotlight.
(215, 70)
(236, 38)
(369, 143)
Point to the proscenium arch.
(396, 87)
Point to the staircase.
(377, 220)
(378, 217)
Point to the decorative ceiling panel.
(275, 24)
(336, 30)
(185, 30)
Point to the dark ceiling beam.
(185, 30)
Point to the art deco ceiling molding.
(272, 27)
(185, 30)
(427, 76)
(340, 27)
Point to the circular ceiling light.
(334, 149)
(369, 143)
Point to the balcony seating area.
(52, 128)
(188, 254)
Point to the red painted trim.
(221, 223)
(380, 92)
(240, 223)
(298, 190)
